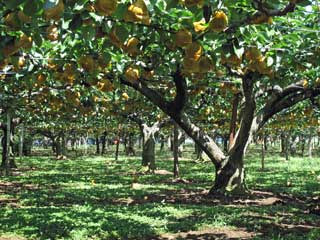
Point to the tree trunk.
(233, 122)
(310, 146)
(85, 140)
(117, 149)
(287, 154)
(303, 140)
(97, 145)
(283, 143)
(6, 139)
(265, 142)
(263, 149)
(12, 162)
(103, 143)
(148, 147)
(21, 140)
(175, 151)
(230, 175)
(130, 145)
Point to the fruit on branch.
(253, 54)
(23, 17)
(138, 12)
(233, 60)
(105, 85)
(106, 7)
(219, 21)
(260, 18)
(193, 3)
(148, 75)
(55, 12)
(41, 78)
(131, 47)
(200, 26)
(183, 38)
(114, 39)
(194, 51)
(125, 96)
(132, 74)
(190, 65)
(205, 64)
(11, 20)
(52, 33)
(87, 63)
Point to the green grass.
(93, 198)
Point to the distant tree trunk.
(162, 141)
(263, 149)
(97, 145)
(310, 146)
(58, 149)
(21, 140)
(103, 142)
(12, 162)
(63, 143)
(303, 144)
(6, 144)
(265, 142)
(287, 139)
(85, 140)
(130, 145)
(148, 147)
(175, 151)
(117, 149)
(283, 143)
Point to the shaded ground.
(98, 198)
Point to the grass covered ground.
(100, 198)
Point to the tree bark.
(148, 145)
(21, 140)
(175, 151)
(263, 149)
(117, 148)
(97, 145)
(233, 122)
(310, 146)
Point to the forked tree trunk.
(229, 169)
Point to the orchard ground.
(99, 198)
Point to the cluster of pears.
(130, 46)
(23, 42)
(194, 61)
(218, 23)
(257, 62)
(138, 12)
(91, 64)
(54, 12)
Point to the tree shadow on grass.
(66, 223)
